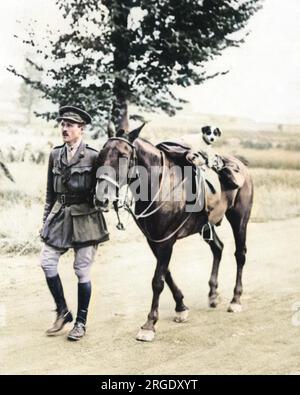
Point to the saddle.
(176, 151)
(204, 178)
(227, 168)
(230, 173)
(225, 176)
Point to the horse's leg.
(181, 311)
(163, 253)
(238, 221)
(216, 247)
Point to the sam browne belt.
(68, 199)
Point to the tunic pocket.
(81, 178)
(57, 179)
(88, 225)
(53, 213)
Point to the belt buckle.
(63, 199)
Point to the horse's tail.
(6, 172)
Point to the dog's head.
(210, 134)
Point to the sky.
(263, 82)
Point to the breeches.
(83, 259)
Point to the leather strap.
(68, 199)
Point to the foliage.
(135, 52)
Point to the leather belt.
(68, 199)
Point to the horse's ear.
(111, 130)
(120, 133)
(134, 134)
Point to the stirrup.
(207, 227)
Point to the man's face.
(71, 132)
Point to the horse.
(165, 222)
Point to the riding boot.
(63, 314)
(84, 295)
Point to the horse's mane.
(146, 147)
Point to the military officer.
(71, 219)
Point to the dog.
(210, 134)
(205, 153)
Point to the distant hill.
(186, 120)
(189, 119)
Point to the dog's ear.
(205, 129)
(219, 131)
(134, 134)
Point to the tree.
(134, 52)
(29, 97)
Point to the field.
(262, 339)
(274, 160)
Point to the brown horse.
(163, 222)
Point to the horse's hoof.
(235, 308)
(214, 301)
(181, 316)
(145, 335)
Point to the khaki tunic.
(75, 225)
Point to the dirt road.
(264, 338)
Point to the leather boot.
(84, 295)
(63, 314)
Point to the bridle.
(133, 158)
(127, 205)
(131, 166)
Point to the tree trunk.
(120, 39)
(120, 110)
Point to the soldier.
(71, 219)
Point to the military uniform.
(70, 217)
(71, 220)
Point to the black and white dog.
(210, 134)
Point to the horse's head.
(115, 160)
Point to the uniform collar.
(80, 153)
(75, 146)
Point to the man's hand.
(99, 206)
